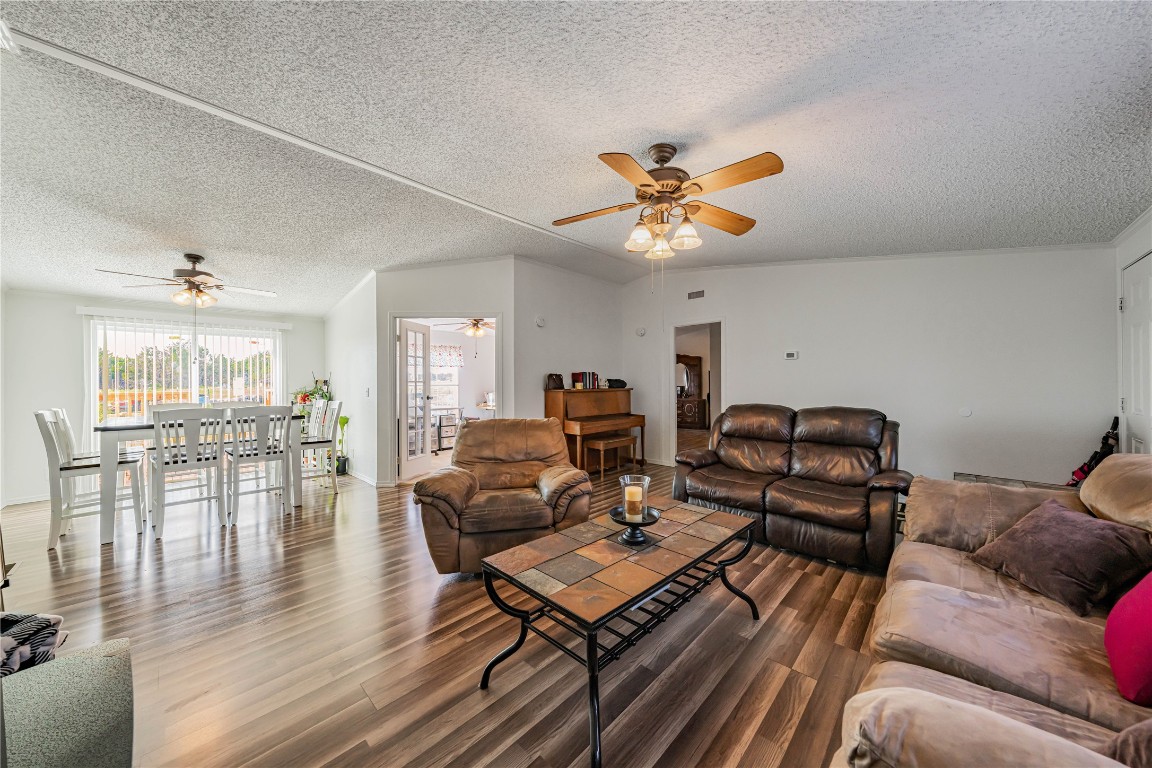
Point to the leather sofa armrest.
(697, 458)
(893, 480)
(555, 480)
(907, 726)
(449, 490)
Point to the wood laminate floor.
(325, 637)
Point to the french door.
(1136, 354)
(415, 426)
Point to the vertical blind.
(139, 361)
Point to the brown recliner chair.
(510, 482)
(824, 481)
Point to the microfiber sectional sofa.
(821, 481)
(978, 669)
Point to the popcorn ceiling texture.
(904, 128)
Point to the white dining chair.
(320, 440)
(259, 436)
(64, 467)
(187, 440)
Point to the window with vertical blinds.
(139, 361)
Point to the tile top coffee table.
(610, 595)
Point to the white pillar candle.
(633, 503)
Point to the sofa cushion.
(895, 674)
(1071, 557)
(504, 510)
(969, 515)
(840, 464)
(1120, 489)
(914, 561)
(721, 484)
(758, 422)
(1051, 659)
(761, 456)
(1128, 642)
(839, 425)
(839, 506)
(509, 453)
(1133, 746)
(909, 728)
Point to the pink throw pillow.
(1128, 641)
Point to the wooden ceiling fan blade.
(720, 218)
(758, 167)
(626, 166)
(251, 291)
(594, 214)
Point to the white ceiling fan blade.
(252, 291)
(133, 274)
(152, 285)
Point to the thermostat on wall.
(792, 355)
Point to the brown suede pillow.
(1132, 746)
(1071, 557)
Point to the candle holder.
(634, 537)
(634, 512)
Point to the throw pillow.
(1128, 641)
(1071, 557)
(1120, 490)
(1132, 746)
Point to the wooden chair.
(259, 436)
(608, 443)
(187, 440)
(320, 439)
(63, 469)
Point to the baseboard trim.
(24, 500)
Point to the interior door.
(1136, 381)
(415, 426)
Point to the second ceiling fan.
(661, 192)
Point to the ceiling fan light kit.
(661, 192)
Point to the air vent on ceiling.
(695, 294)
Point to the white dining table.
(114, 431)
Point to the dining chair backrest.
(332, 419)
(150, 409)
(64, 432)
(49, 425)
(188, 436)
(315, 426)
(234, 403)
(261, 431)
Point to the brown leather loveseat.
(823, 481)
(510, 482)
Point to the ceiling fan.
(474, 327)
(661, 192)
(195, 285)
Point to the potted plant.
(341, 457)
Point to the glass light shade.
(661, 250)
(686, 238)
(205, 299)
(183, 297)
(470, 330)
(641, 239)
(479, 332)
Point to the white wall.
(478, 374)
(581, 330)
(351, 351)
(1135, 241)
(1025, 339)
(43, 367)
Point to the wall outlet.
(793, 355)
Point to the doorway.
(696, 382)
(446, 375)
(1136, 356)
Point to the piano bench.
(611, 442)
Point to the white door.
(415, 426)
(1136, 382)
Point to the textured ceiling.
(904, 128)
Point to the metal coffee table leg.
(511, 611)
(722, 566)
(593, 700)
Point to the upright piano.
(589, 412)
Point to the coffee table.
(588, 584)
